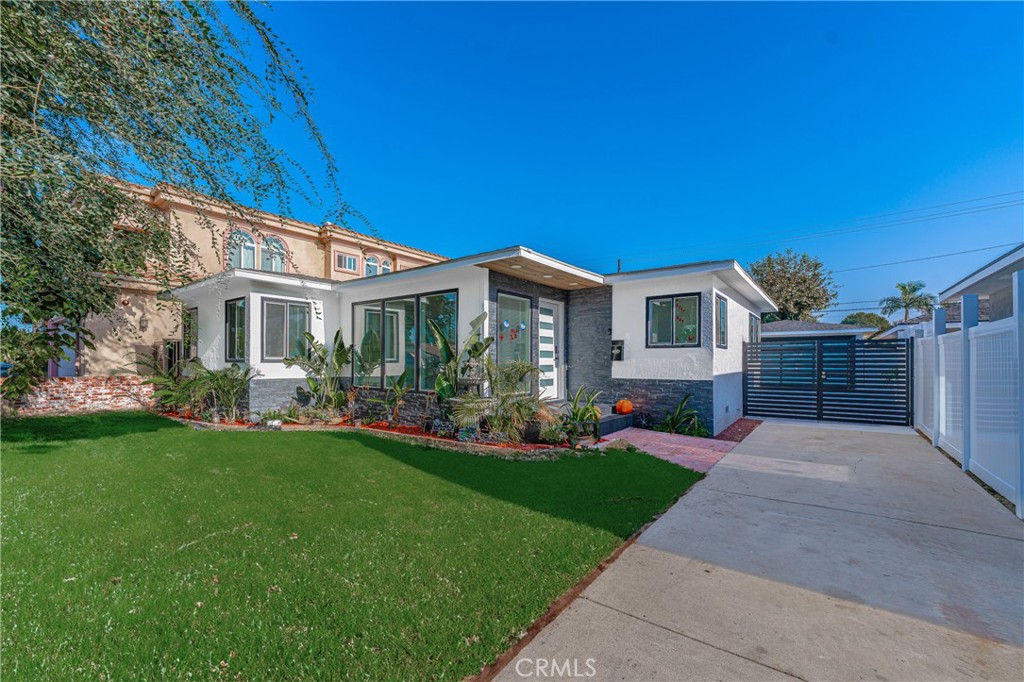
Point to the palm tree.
(911, 298)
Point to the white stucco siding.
(728, 362)
(470, 281)
(629, 323)
(322, 312)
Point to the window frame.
(381, 303)
(721, 325)
(245, 330)
(754, 325)
(367, 262)
(188, 345)
(661, 297)
(283, 253)
(346, 254)
(531, 300)
(248, 242)
(386, 267)
(287, 303)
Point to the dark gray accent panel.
(589, 353)
(272, 394)
(414, 412)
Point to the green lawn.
(134, 547)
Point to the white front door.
(549, 345)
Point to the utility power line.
(941, 255)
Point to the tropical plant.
(461, 364)
(394, 395)
(868, 320)
(581, 417)
(683, 420)
(229, 385)
(912, 297)
(510, 403)
(173, 94)
(325, 369)
(797, 282)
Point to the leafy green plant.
(324, 368)
(394, 396)
(581, 418)
(459, 364)
(553, 432)
(683, 420)
(510, 403)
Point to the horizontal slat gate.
(850, 381)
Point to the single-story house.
(798, 330)
(651, 336)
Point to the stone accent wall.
(418, 406)
(77, 395)
(272, 394)
(589, 352)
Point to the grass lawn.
(134, 547)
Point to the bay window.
(673, 321)
(284, 326)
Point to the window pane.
(443, 310)
(385, 266)
(400, 338)
(190, 333)
(235, 323)
(685, 318)
(298, 325)
(722, 321)
(367, 335)
(660, 314)
(272, 255)
(273, 330)
(241, 250)
(371, 268)
(513, 328)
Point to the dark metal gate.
(830, 380)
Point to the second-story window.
(241, 250)
(272, 255)
(372, 267)
(385, 266)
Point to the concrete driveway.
(812, 553)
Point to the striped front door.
(549, 346)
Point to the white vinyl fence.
(970, 401)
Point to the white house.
(650, 336)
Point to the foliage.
(196, 387)
(911, 297)
(28, 351)
(868, 320)
(510, 403)
(171, 94)
(580, 417)
(683, 420)
(553, 432)
(325, 369)
(797, 282)
(461, 364)
(158, 516)
(394, 395)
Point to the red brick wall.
(88, 394)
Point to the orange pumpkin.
(624, 407)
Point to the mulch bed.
(739, 429)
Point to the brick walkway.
(699, 454)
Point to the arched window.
(385, 267)
(372, 267)
(272, 255)
(241, 250)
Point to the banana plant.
(324, 370)
(458, 364)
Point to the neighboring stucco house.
(798, 330)
(651, 336)
(279, 245)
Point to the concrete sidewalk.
(807, 553)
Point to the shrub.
(683, 420)
(581, 417)
(511, 401)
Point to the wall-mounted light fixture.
(143, 323)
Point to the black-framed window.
(391, 336)
(190, 334)
(754, 331)
(515, 319)
(284, 326)
(234, 330)
(721, 322)
(673, 321)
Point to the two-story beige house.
(146, 324)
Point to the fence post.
(938, 329)
(968, 319)
(1018, 332)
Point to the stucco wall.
(728, 362)
(119, 340)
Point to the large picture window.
(721, 322)
(234, 328)
(284, 326)
(673, 321)
(392, 337)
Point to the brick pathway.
(699, 454)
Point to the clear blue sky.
(668, 133)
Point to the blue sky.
(666, 133)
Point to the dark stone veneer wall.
(589, 350)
